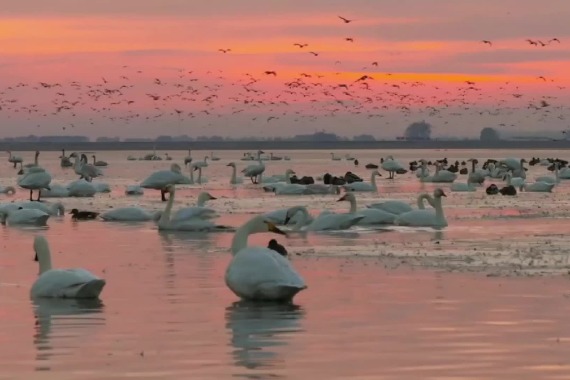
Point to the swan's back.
(328, 221)
(393, 207)
(164, 177)
(127, 214)
(198, 212)
(28, 216)
(81, 188)
(261, 274)
(67, 283)
(419, 218)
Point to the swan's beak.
(36, 256)
(343, 198)
(443, 194)
(273, 228)
(212, 197)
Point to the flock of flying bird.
(133, 96)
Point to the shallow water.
(381, 304)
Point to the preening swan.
(259, 273)
(81, 188)
(363, 186)
(36, 178)
(62, 283)
(130, 214)
(425, 218)
(159, 180)
(53, 209)
(279, 216)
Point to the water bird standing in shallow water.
(62, 283)
(260, 273)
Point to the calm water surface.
(166, 313)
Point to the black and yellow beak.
(273, 228)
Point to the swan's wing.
(194, 212)
(416, 218)
(258, 269)
(61, 282)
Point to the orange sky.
(438, 45)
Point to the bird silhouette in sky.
(487, 42)
(346, 21)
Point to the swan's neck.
(473, 166)
(199, 175)
(302, 220)
(239, 241)
(201, 201)
(352, 201)
(556, 172)
(436, 203)
(373, 180)
(191, 175)
(165, 217)
(234, 176)
(44, 258)
(421, 199)
(288, 176)
(509, 177)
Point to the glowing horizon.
(419, 56)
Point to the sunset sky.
(146, 68)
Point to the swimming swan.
(234, 180)
(371, 216)
(24, 217)
(363, 186)
(130, 214)
(425, 218)
(62, 283)
(259, 273)
(198, 211)
(326, 221)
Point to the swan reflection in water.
(259, 330)
(59, 321)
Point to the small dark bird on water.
(277, 247)
(83, 215)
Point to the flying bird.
(374, 63)
(349, 39)
(225, 50)
(271, 73)
(346, 21)
(300, 45)
(554, 40)
(487, 42)
(313, 53)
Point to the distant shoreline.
(284, 145)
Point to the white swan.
(464, 187)
(14, 159)
(130, 214)
(98, 163)
(425, 218)
(372, 216)
(24, 217)
(270, 185)
(363, 186)
(326, 221)
(538, 187)
(280, 216)
(549, 179)
(213, 157)
(101, 187)
(516, 182)
(391, 166)
(198, 211)
(165, 223)
(62, 283)
(188, 158)
(159, 180)
(36, 178)
(200, 164)
(83, 169)
(259, 273)
(53, 209)
(81, 188)
(134, 190)
(8, 190)
(334, 157)
(397, 207)
(254, 172)
(55, 191)
(233, 179)
(200, 180)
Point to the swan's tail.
(90, 289)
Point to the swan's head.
(74, 154)
(348, 197)
(390, 157)
(377, 173)
(175, 168)
(289, 172)
(523, 161)
(232, 164)
(41, 247)
(438, 193)
(37, 153)
(423, 161)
